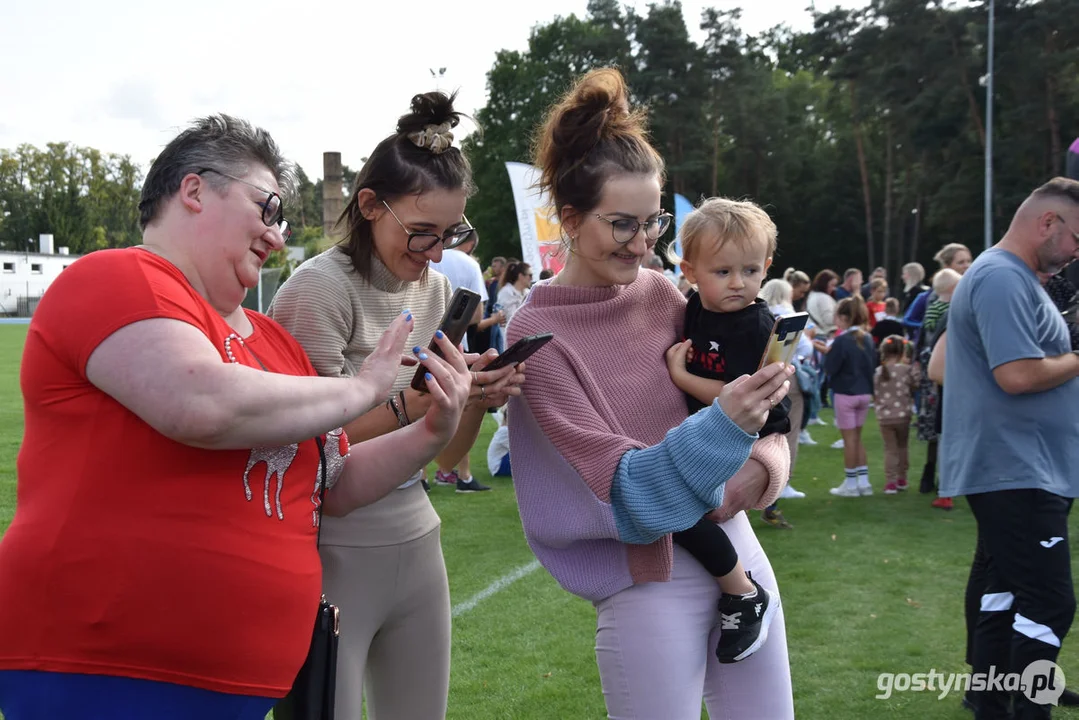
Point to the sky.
(124, 76)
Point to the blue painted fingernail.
(429, 376)
(416, 349)
(406, 312)
(409, 318)
(439, 334)
(423, 356)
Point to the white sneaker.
(805, 439)
(789, 493)
(838, 444)
(866, 489)
(845, 490)
(816, 421)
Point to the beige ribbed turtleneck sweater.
(339, 317)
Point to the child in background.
(875, 305)
(944, 283)
(498, 450)
(849, 364)
(893, 396)
(728, 247)
(929, 410)
(890, 324)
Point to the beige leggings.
(395, 628)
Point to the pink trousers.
(851, 410)
(655, 646)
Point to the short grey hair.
(777, 292)
(915, 272)
(1060, 187)
(219, 142)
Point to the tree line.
(863, 137)
(87, 199)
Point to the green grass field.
(869, 585)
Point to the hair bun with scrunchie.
(436, 138)
(430, 123)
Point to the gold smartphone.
(783, 342)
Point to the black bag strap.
(322, 489)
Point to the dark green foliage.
(86, 199)
(863, 137)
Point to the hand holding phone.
(455, 322)
(783, 342)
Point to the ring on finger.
(475, 378)
(483, 393)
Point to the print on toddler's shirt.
(713, 360)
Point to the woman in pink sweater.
(606, 464)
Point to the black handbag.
(313, 690)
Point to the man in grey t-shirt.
(1011, 418)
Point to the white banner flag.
(540, 229)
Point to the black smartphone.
(520, 351)
(455, 322)
(784, 339)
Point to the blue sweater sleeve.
(916, 311)
(668, 487)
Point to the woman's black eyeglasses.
(624, 229)
(273, 210)
(419, 242)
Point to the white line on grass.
(498, 585)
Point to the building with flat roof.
(24, 276)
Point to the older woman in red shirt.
(162, 560)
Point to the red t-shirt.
(134, 555)
(877, 311)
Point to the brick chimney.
(333, 201)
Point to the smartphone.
(455, 322)
(783, 341)
(520, 351)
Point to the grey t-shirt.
(992, 440)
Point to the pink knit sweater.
(599, 389)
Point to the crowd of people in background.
(865, 346)
(887, 373)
